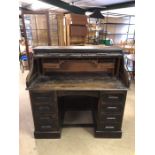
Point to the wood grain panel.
(78, 66)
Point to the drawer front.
(78, 93)
(45, 109)
(111, 108)
(109, 118)
(43, 98)
(44, 119)
(47, 127)
(109, 126)
(113, 97)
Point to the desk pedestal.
(107, 107)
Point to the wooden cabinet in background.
(56, 29)
(76, 29)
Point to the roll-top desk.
(77, 77)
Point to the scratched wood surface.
(77, 82)
(89, 48)
(76, 51)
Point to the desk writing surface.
(72, 82)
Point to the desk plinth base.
(47, 135)
(108, 134)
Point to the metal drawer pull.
(109, 127)
(111, 107)
(46, 127)
(113, 97)
(42, 97)
(111, 118)
(45, 118)
(44, 108)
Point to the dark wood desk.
(64, 78)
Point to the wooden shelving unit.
(119, 28)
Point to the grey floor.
(74, 141)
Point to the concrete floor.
(77, 141)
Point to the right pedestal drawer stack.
(110, 114)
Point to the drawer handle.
(111, 107)
(111, 118)
(113, 97)
(42, 97)
(45, 118)
(44, 108)
(46, 127)
(109, 127)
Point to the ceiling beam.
(66, 6)
(113, 6)
(24, 9)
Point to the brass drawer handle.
(111, 118)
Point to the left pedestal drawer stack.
(45, 114)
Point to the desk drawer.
(48, 127)
(111, 108)
(110, 118)
(109, 126)
(45, 108)
(44, 119)
(113, 97)
(43, 98)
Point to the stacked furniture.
(78, 78)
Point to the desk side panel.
(45, 114)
